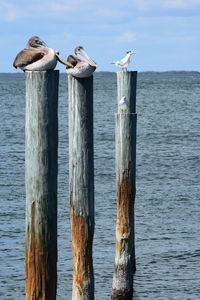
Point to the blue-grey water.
(167, 206)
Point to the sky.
(165, 33)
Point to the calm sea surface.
(168, 187)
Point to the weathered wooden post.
(126, 119)
(81, 184)
(41, 148)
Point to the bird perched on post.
(37, 56)
(124, 62)
(123, 104)
(82, 65)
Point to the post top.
(125, 72)
(125, 114)
(44, 71)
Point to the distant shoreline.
(140, 72)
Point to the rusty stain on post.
(125, 205)
(40, 265)
(41, 184)
(81, 185)
(126, 119)
(82, 250)
(125, 235)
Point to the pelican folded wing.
(27, 57)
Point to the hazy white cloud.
(67, 36)
(58, 7)
(126, 37)
(181, 4)
(14, 10)
(111, 13)
(160, 4)
(10, 12)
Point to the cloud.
(146, 5)
(13, 11)
(126, 37)
(181, 4)
(59, 7)
(10, 12)
(67, 36)
(111, 13)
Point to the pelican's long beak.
(64, 62)
(43, 44)
(88, 58)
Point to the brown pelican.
(37, 56)
(82, 65)
(124, 62)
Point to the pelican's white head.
(83, 56)
(36, 42)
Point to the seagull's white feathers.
(124, 62)
(123, 104)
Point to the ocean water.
(167, 209)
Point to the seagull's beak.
(87, 58)
(64, 62)
(133, 52)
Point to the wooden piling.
(41, 147)
(126, 118)
(81, 184)
(126, 87)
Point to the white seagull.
(37, 56)
(123, 104)
(124, 62)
